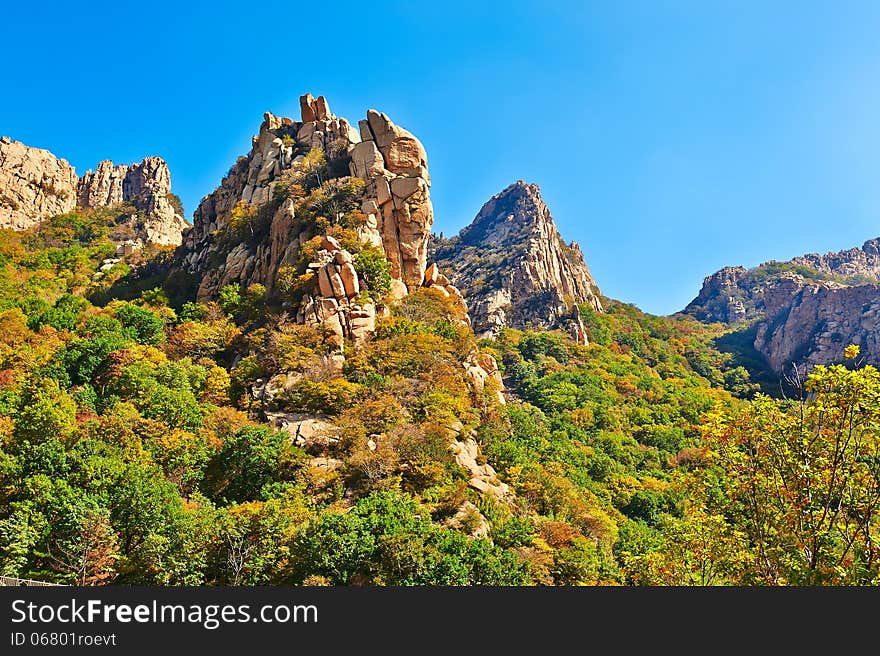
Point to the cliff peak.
(36, 185)
(146, 186)
(514, 269)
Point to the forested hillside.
(295, 396)
(133, 450)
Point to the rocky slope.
(36, 185)
(807, 309)
(514, 269)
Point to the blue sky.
(669, 137)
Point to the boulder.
(305, 430)
(366, 160)
(349, 279)
(307, 110)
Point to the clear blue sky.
(670, 138)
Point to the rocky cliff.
(806, 310)
(514, 269)
(321, 179)
(36, 185)
(147, 187)
(394, 199)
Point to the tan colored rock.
(325, 463)
(331, 244)
(322, 109)
(482, 368)
(403, 188)
(538, 289)
(103, 187)
(305, 430)
(145, 185)
(307, 110)
(34, 185)
(431, 275)
(349, 279)
(405, 155)
(479, 485)
(399, 222)
(366, 160)
(336, 282)
(362, 323)
(466, 514)
(324, 284)
(801, 320)
(383, 194)
(399, 184)
(482, 477)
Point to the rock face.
(395, 166)
(146, 186)
(514, 270)
(280, 144)
(34, 185)
(335, 305)
(482, 478)
(395, 202)
(811, 323)
(806, 310)
(721, 298)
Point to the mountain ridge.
(35, 185)
(805, 310)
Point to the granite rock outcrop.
(514, 270)
(34, 185)
(146, 186)
(804, 311)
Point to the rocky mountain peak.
(510, 214)
(301, 181)
(514, 269)
(34, 185)
(147, 187)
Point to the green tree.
(45, 411)
(250, 459)
(144, 325)
(375, 269)
(802, 480)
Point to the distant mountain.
(35, 185)
(514, 269)
(806, 310)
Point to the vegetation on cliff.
(139, 443)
